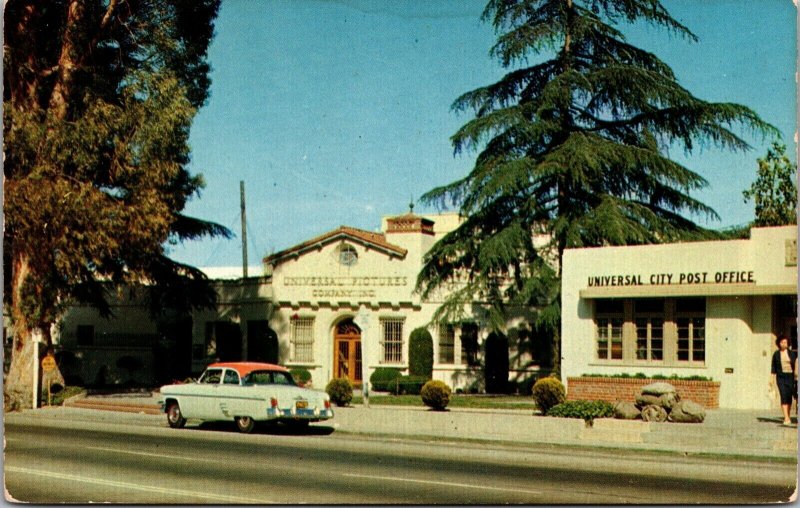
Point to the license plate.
(302, 404)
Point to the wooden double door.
(347, 351)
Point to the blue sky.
(336, 112)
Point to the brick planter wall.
(612, 389)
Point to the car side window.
(231, 377)
(211, 377)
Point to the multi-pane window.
(690, 317)
(649, 318)
(447, 340)
(302, 340)
(659, 330)
(609, 318)
(392, 333)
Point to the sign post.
(48, 366)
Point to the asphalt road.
(61, 457)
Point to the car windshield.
(269, 377)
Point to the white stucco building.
(702, 308)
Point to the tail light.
(273, 402)
(327, 404)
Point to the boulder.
(687, 411)
(657, 389)
(626, 411)
(654, 414)
(668, 400)
(643, 400)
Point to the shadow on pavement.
(273, 429)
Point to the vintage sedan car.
(246, 392)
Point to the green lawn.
(465, 401)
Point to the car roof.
(245, 368)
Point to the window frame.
(446, 331)
(301, 346)
(394, 355)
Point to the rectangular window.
(469, 344)
(392, 333)
(302, 340)
(447, 340)
(85, 335)
(609, 317)
(649, 319)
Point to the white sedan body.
(259, 392)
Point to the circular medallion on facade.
(348, 255)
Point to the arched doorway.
(347, 351)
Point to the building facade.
(710, 309)
(341, 304)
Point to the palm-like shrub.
(435, 394)
(548, 392)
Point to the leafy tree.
(98, 100)
(570, 147)
(775, 189)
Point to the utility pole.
(244, 230)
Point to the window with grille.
(649, 320)
(392, 331)
(609, 318)
(302, 340)
(447, 340)
(690, 317)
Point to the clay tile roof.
(376, 241)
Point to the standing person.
(783, 375)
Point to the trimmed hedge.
(420, 353)
(340, 390)
(584, 409)
(382, 377)
(407, 385)
(548, 392)
(436, 395)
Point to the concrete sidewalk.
(724, 432)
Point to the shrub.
(548, 392)
(435, 394)
(585, 409)
(382, 378)
(340, 390)
(301, 376)
(420, 353)
(496, 364)
(407, 385)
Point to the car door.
(230, 402)
(206, 403)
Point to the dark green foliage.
(420, 353)
(407, 385)
(585, 409)
(571, 143)
(496, 363)
(548, 392)
(301, 376)
(340, 390)
(640, 375)
(775, 189)
(435, 394)
(382, 377)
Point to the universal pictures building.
(340, 305)
(711, 309)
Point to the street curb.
(102, 405)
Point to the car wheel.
(245, 424)
(174, 416)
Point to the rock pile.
(659, 402)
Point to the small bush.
(435, 394)
(382, 378)
(301, 376)
(548, 392)
(407, 385)
(420, 353)
(584, 409)
(340, 390)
